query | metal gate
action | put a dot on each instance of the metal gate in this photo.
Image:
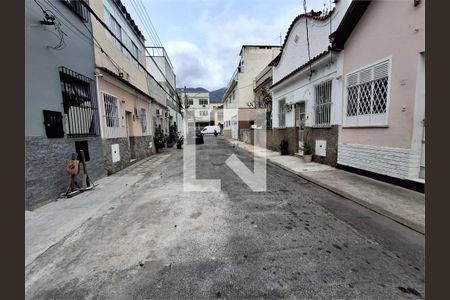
(300, 123)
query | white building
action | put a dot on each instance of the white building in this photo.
(196, 100)
(168, 113)
(239, 93)
(307, 88)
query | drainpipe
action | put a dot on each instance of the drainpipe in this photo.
(102, 130)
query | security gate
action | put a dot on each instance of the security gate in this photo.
(234, 128)
(300, 123)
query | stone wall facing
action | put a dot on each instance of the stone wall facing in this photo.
(45, 167)
(330, 134)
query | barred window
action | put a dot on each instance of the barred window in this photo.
(111, 110)
(203, 113)
(367, 95)
(322, 104)
(80, 105)
(78, 8)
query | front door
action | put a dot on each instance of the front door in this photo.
(300, 123)
(129, 127)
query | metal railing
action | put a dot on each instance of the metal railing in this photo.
(80, 105)
(322, 104)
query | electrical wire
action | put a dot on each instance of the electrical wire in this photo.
(151, 23)
(307, 38)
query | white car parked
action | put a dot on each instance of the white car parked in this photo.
(210, 129)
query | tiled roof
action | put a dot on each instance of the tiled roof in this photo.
(302, 67)
(127, 16)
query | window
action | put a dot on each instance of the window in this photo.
(189, 102)
(82, 145)
(322, 103)
(53, 123)
(114, 26)
(367, 95)
(126, 40)
(143, 115)
(282, 113)
(111, 111)
(203, 113)
(203, 101)
(80, 105)
(79, 9)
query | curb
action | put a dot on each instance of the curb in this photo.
(396, 218)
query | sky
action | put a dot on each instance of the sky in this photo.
(203, 37)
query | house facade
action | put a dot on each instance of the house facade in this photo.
(306, 90)
(239, 94)
(167, 101)
(383, 126)
(196, 103)
(122, 82)
(61, 110)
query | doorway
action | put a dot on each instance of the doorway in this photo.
(300, 123)
(130, 134)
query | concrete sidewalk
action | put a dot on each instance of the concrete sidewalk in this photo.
(399, 204)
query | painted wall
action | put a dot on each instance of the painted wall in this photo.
(42, 81)
(394, 29)
(301, 88)
(128, 100)
(45, 159)
(295, 54)
(132, 72)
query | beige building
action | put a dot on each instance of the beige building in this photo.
(239, 94)
(196, 103)
(122, 83)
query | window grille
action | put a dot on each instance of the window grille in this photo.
(80, 105)
(78, 8)
(367, 94)
(112, 118)
(203, 113)
(322, 104)
(282, 113)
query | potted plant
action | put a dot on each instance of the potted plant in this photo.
(284, 147)
(180, 141)
(307, 154)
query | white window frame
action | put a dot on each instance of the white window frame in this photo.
(368, 120)
(111, 131)
(327, 106)
(201, 100)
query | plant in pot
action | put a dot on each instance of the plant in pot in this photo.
(284, 147)
(180, 141)
(307, 152)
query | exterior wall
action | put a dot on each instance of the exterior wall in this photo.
(300, 88)
(45, 159)
(389, 161)
(374, 39)
(128, 100)
(45, 167)
(273, 138)
(330, 135)
(295, 54)
(128, 66)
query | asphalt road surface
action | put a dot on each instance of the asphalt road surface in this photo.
(294, 241)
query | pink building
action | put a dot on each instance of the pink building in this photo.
(383, 111)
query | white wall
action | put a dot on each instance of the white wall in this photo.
(301, 88)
